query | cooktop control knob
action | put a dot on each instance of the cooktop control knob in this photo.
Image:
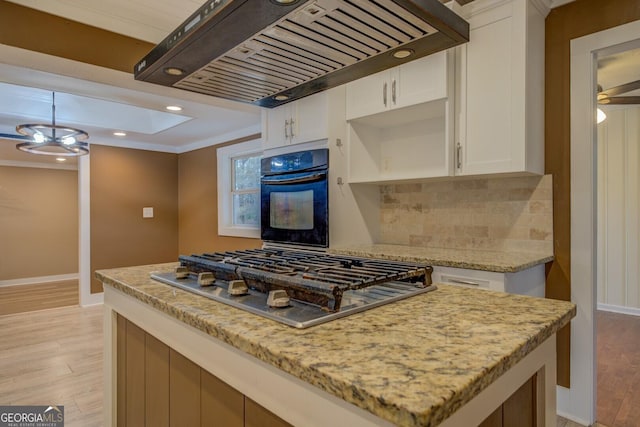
(237, 287)
(182, 272)
(278, 299)
(206, 278)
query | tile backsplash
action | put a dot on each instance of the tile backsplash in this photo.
(507, 214)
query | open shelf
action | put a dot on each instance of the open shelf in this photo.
(405, 144)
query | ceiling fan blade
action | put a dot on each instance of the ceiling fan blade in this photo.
(617, 90)
(620, 100)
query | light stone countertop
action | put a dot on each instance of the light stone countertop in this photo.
(413, 362)
(498, 261)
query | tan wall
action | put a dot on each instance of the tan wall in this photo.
(38, 222)
(573, 20)
(123, 181)
(198, 203)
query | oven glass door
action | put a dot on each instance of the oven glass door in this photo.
(295, 208)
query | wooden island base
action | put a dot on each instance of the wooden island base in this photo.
(161, 371)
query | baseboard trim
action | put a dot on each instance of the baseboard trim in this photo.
(574, 419)
(39, 280)
(619, 309)
(87, 300)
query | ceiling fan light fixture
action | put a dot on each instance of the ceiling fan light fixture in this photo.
(38, 137)
(600, 116)
(52, 139)
(68, 140)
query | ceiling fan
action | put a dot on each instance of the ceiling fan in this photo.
(609, 96)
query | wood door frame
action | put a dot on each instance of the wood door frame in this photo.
(579, 402)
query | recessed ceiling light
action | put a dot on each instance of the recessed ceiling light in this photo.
(120, 133)
(173, 108)
(402, 53)
(281, 97)
(61, 159)
(174, 71)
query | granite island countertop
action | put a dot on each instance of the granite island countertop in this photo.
(413, 362)
(498, 261)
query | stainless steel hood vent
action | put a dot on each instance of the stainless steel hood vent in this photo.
(269, 52)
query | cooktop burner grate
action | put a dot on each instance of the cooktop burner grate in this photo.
(309, 285)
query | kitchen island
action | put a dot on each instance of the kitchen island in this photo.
(450, 357)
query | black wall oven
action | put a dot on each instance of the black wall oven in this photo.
(295, 198)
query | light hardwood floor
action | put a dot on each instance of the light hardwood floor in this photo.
(22, 298)
(54, 357)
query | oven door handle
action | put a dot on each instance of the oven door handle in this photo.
(306, 178)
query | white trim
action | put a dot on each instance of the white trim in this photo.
(558, 3)
(572, 418)
(21, 164)
(134, 145)
(224, 155)
(84, 235)
(579, 402)
(39, 280)
(633, 311)
(221, 139)
(110, 367)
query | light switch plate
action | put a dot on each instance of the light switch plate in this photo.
(147, 212)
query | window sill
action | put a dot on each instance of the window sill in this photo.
(231, 231)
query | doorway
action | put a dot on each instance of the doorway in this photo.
(581, 399)
(618, 201)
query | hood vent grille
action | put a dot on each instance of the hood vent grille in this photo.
(313, 47)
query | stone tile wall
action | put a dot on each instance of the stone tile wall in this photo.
(508, 214)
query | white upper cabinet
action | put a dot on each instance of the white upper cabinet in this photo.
(500, 89)
(415, 82)
(400, 122)
(299, 121)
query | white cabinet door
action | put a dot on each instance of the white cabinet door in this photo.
(501, 91)
(368, 95)
(275, 126)
(299, 121)
(310, 119)
(422, 80)
(411, 83)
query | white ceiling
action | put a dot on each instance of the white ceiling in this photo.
(101, 101)
(618, 69)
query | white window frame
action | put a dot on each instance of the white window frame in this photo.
(225, 155)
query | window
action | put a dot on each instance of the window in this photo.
(239, 189)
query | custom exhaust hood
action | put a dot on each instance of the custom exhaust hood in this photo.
(270, 52)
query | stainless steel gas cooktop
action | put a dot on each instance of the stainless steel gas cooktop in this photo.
(298, 288)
